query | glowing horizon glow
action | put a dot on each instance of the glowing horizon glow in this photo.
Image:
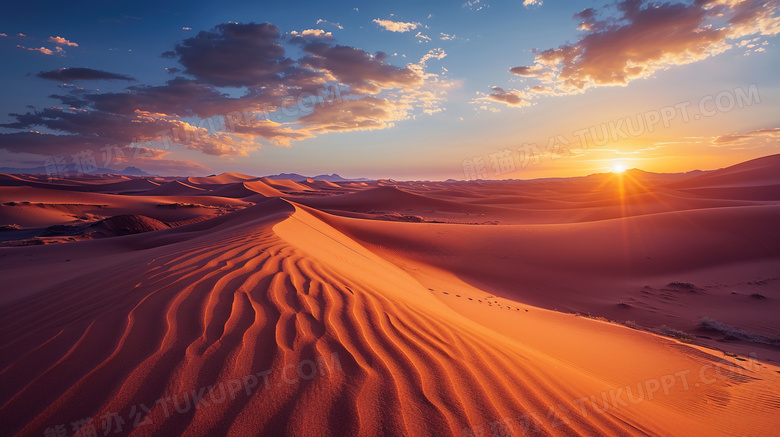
(618, 167)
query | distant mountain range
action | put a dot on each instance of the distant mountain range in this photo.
(323, 177)
(72, 171)
(135, 171)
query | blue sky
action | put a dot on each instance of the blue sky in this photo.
(396, 116)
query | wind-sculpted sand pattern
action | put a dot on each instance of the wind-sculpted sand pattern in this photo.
(188, 335)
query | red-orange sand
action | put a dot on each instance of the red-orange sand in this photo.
(234, 305)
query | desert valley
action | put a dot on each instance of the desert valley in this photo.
(628, 303)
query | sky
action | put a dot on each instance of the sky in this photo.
(485, 89)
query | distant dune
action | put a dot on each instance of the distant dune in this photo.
(174, 188)
(616, 304)
(246, 189)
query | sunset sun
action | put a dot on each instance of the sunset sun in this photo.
(618, 167)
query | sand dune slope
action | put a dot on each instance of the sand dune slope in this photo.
(285, 184)
(224, 178)
(268, 321)
(756, 172)
(240, 190)
(391, 198)
(174, 188)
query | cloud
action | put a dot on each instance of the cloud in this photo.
(169, 167)
(106, 153)
(499, 96)
(327, 87)
(128, 129)
(83, 122)
(438, 54)
(61, 41)
(178, 97)
(43, 50)
(278, 133)
(251, 55)
(396, 26)
(330, 23)
(310, 35)
(363, 72)
(422, 37)
(587, 18)
(540, 89)
(644, 38)
(234, 55)
(530, 3)
(447, 37)
(48, 144)
(508, 97)
(770, 134)
(80, 73)
(475, 5)
(69, 100)
(367, 113)
(526, 70)
(3, 35)
(58, 40)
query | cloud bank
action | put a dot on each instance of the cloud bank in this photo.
(635, 39)
(276, 98)
(79, 73)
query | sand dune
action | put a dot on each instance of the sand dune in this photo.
(322, 185)
(174, 188)
(245, 189)
(387, 198)
(606, 262)
(322, 315)
(9, 180)
(126, 225)
(224, 178)
(131, 185)
(285, 184)
(757, 172)
(38, 208)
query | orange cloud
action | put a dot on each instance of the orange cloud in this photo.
(396, 26)
(43, 50)
(367, 113)
(278, 133)
(61, 41)
(509, 97)
(310, 35)
(647, 37)
(771, 135)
